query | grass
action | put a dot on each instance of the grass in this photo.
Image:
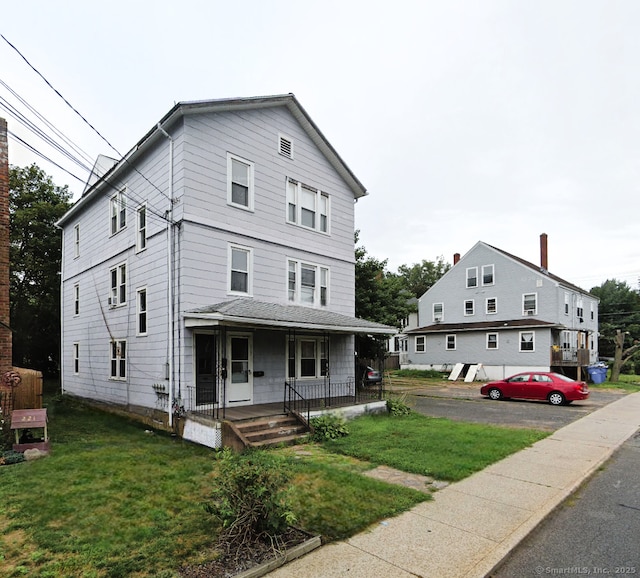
(436, 447)
(112, 500)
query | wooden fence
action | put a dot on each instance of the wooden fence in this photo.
(28, 395)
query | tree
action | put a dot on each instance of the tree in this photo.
(420, 277)
(618, 320)
(35, 204)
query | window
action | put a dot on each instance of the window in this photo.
(566, 303)
(76, 358)
(118, 294)
(438, 312)
(469, 307)
(492, 341)
(472, 277)
(141, 242)
(118, 360)
(285, 146)
(307, 206)
(76, 241)
(580, 308)
(307, 283)
(421, 343)
(239, 270)
(239, 182)
(491, 305)
(118, 211)
(76, 299)
(141, 314)
(451, 342)
(527, 341)
(529, 303)
(307, 357)
(487, 275)
(592, 312)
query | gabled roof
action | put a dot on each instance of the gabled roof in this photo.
(224, 105)
(260, 313)
(484, 326)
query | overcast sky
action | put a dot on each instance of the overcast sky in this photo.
(466, 121)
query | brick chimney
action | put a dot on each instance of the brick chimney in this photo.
(456, 258)
(5, 332)
(544, 262)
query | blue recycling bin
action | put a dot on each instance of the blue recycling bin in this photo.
(597, 373)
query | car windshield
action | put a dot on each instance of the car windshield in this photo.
(562, 377)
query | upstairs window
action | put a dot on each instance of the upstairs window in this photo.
(307, 207)
(491, 305)
(592, 312)
(239, 269)
(580, 308)
(240, 186)
(76, 241)
(566, 303)
(118, 295)
(76, 299)
(529, 303)
(487, 275)
(118, 211)
(469, 307)
(472, 277)
(438, 312)
(307, 283)
(141, 242)
(142, 312)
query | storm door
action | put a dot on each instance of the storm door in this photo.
(240, 377)
(206, 369)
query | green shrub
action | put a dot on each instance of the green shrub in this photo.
(328, 427)
(398, 405)
(11, 457)
(250, 498)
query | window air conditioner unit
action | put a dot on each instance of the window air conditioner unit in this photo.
(110, 301)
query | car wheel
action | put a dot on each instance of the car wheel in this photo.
(556, 398)
(495, 393)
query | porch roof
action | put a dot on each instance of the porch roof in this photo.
(484, 326)
(249, 312)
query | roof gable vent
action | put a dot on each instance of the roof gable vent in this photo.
(285, 147)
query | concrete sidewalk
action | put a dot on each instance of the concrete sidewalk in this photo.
(471, 525)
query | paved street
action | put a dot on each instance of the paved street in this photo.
(595, 532)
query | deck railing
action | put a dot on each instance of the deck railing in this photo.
(569, 356)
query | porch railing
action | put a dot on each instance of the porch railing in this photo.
(306, 396)
(569, 356)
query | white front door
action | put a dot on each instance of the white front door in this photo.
(240, 376)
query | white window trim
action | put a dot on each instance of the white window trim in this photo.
(497, 341)
(486, 305)
(118, 359)
(114, 292)
(283, 137)
(120, 199)
(139, 311)
(76, 300)
(249, 251)
(76, 241)
(473, 307)
(455, 342)
(493, 275)
(567, 303)
(298, 207)
(298, 357)
(423, 340)
(468, 278)
(250, 177)
(317, 294)
(141, 232)
(533, 340)
(76, 358)
(433, 312)
(535, 309)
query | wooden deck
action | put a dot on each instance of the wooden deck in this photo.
(243, 412)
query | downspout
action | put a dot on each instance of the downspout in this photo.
(62, 336)
(170, 315)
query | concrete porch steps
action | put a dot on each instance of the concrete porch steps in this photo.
(265, 431)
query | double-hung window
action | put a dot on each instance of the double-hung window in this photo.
(141, 313)
(240, 179)
(76, 358)
(451, 342)
(240, 264)
(119, 359)
(567, 300)
(492, 341)
(308, 357)
(580, 308)
(529, 303)
(421, 343)
(472, 277)
(487, 274)
(438, 312)
(307, 283)
(469, 307)
(118, 211)
(76, 299)
(76, 241)
(118, 295)
(141, 241)
(307, 206)
(527, 341)
(491, 305)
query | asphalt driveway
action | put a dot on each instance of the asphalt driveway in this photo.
(463, 402)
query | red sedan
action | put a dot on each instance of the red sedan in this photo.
(552, 387)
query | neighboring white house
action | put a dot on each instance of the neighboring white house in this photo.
(213, 264)
(507, 314)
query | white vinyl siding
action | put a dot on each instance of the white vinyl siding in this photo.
(240, 179)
